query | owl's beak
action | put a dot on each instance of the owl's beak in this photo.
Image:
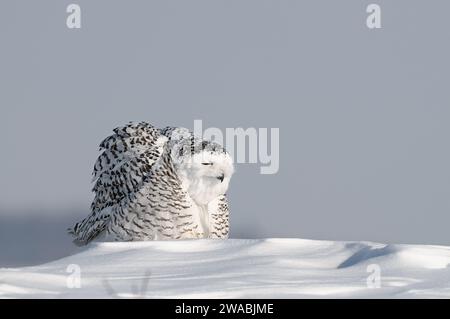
(221, 177)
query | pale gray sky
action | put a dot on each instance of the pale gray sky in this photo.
(363, 114)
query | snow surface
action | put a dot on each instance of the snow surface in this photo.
(237, 268)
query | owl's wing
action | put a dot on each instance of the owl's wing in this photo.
(127, 158)
(220, 217)
(159, 210)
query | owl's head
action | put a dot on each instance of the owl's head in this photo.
(204, 168)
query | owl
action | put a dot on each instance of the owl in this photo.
(157, 184)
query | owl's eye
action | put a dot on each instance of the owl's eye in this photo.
(207, 163)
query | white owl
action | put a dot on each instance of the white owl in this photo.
(156, 184)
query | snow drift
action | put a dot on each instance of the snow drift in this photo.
(237, 268)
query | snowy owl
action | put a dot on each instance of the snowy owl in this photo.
(157, 184)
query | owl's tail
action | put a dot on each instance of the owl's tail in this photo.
(87, 229)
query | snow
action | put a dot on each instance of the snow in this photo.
(237, 268)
